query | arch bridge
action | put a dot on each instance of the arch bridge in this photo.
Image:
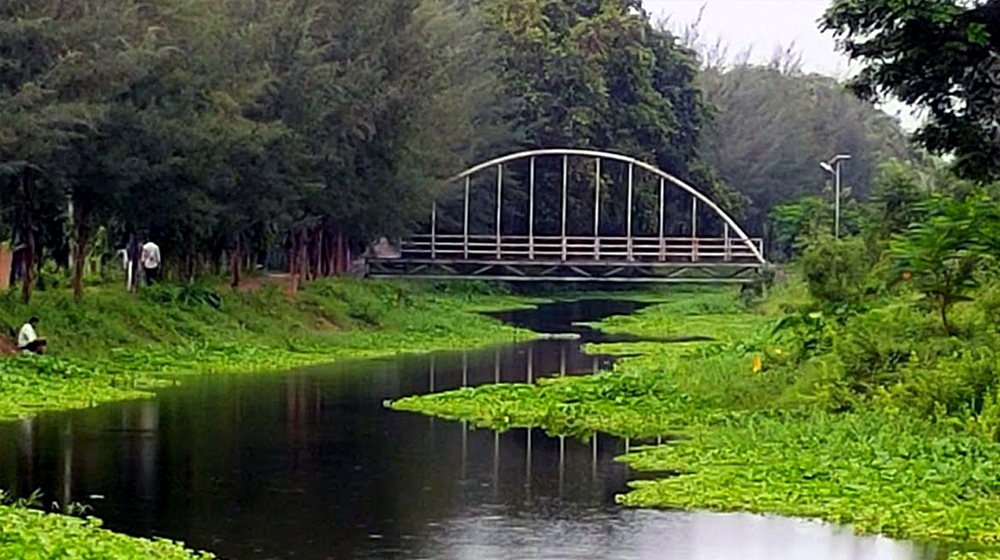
(626, 221)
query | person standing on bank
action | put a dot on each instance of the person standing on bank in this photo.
(151, 262)
(27, 339)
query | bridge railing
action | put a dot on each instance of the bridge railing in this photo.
(490, 248)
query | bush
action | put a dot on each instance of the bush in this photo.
(872, 347)
(954, 385)
(836, 270)
(187, 295)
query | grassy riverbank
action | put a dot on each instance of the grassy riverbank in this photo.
(877, 419)
(110, 346)
(105, 347)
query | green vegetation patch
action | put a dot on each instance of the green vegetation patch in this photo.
(882, 473)
(707, 317)
(878, 420)
(30, 384)
(111, 345)
(27, 534)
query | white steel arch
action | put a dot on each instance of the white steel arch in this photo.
(599, 155)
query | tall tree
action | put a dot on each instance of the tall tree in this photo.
(940, 55)
(597, 74)
(376, 91)
(773, 124)
(58, 62)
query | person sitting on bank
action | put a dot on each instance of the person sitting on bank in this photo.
(27, 339)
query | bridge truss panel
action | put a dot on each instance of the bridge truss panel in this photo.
(563, 271)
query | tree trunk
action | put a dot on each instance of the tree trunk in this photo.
(328, 253)
(309, 252)
(321, 268)
(189, 265)
(293, 252)
(28, 261)
(80, 253)
(134, 252)
(302, 258)
(28, 223)
(338, 255)
(334, 256)
(343, 252)
(235, 262)
(316, 253)
(217, 259)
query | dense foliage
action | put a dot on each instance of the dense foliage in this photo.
(284, 132)
(228, 127)
(940, 55)
(593, 74)
(772, 126)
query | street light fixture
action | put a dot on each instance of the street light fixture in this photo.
(833, 167)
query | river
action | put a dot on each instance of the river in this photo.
(308, 464)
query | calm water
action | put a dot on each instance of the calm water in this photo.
(309, 464)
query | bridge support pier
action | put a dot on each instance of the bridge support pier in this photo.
(628, 213)
(465, 220)
(499, 206)
(565, 193)
(597, 210)
(531, 214)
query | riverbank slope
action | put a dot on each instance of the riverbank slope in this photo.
(107, 346)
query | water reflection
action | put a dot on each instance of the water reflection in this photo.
(513, 364)
(650, 535)
(309, 464)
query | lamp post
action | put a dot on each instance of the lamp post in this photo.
(833, 167)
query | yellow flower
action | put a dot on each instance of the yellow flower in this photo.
(758, 364)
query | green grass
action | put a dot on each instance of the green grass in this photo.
(106, 347)
(32, 384)
(879, 429)
(343, 316)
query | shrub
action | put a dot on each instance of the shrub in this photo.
(953, 385)
(836, 270)
(942, 253)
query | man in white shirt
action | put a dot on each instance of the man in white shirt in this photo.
(150, 260)
(27, 339)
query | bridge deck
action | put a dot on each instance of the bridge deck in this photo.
(572, 259)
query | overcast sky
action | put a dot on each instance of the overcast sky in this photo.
(765, 26)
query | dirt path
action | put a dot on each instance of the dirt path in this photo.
(248, 284)
(7, 346)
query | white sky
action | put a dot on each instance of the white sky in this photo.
(765, 26)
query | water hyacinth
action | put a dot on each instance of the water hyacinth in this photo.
(896, 442)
